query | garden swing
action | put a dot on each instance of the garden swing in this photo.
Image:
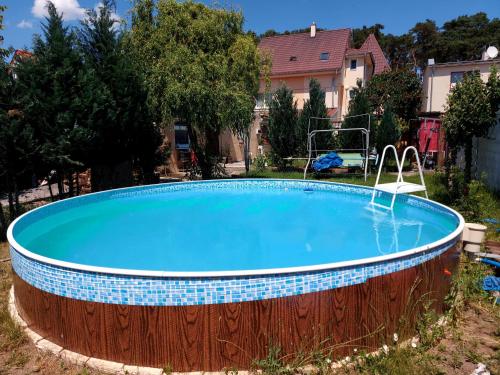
(352, 157)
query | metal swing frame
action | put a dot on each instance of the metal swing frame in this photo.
(364, 132)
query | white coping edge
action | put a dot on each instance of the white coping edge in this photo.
(144, 273)
(111, 367)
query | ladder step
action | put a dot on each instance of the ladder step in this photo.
(400, 187)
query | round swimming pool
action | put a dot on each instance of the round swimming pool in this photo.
(214, 261)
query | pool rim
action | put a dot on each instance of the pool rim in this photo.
(255, 272)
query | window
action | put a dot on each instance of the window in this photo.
(354, 63)
(181, 137)
(293, 58)
(456, 77)
(324, 56)
(352, 93)
(263, 100)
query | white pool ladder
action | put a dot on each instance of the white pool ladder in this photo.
(400, 186)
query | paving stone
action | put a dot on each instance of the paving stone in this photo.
(72, 357)
(48, 346)
(105, 366)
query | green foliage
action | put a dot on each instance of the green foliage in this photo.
(459, 39)
(388, 131)
(119, 129)
(273, 363)
(49, 90)
(282, 128)
(401, 89)
(493, 87)
(200, 67)
(260, 162)
(359, 105)
(468, 114)
(314, 107)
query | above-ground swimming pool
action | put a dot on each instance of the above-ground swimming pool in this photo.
(205, 275)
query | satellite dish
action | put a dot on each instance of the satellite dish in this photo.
(492, 52)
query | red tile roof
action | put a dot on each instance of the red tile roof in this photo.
(307, 51)
(20, 54)
(371, 45)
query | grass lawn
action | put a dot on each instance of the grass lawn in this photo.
(472, 335)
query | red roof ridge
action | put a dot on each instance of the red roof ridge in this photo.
(304, 32)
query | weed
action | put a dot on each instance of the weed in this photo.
(273, 364)
(167, 369)
(17, 359)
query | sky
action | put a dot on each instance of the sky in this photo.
(23, 17)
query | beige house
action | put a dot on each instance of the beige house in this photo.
(438, 81)
(327, 56)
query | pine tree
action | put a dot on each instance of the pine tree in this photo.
(282, 128)
(358, 106)
(388, 132)
(118, 119)
(314, 107)
(49, 85)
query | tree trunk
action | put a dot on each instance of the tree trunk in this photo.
(468, 160)
(60, 184)
(71, 186)
(77, 183)
(50, 188)
(105, 177)
(3, 224)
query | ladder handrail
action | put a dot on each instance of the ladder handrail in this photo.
(381, 163)
(400, 175)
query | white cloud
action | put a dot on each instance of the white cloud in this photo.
(115, 17)
(70, 9)
(25, 24)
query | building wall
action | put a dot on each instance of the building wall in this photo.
(437, 83)
(486, 157)
(363, 70)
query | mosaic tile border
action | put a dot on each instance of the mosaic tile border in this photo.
(170, 291)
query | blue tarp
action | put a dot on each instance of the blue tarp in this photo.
(491, 283)
(330, 160)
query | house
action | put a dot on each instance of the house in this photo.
(438, 81)
(327, 56)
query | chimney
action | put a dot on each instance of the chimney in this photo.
(313, 30)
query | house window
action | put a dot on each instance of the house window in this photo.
(324, 56)
(352, 93)
(263, 100)
(181, 137)
(354, 63)
(293, 58)
(456, 77)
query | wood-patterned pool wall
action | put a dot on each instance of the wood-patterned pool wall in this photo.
(232, 335)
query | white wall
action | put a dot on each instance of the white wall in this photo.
(486, 157)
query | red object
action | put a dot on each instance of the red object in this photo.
(194, 159)
(429, 129)
(299, 53)
(446, 272)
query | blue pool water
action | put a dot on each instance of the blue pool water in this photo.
(229, 228)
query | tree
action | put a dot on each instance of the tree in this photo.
(425, 36)
(358, 106)
(190, 55)
(117, 116)
(468, 114)
(388, 132)
(17, 145)
(314, 107)
(401, 89)
(493, 87)
(359, 35)
(50, 88)
(282, 128)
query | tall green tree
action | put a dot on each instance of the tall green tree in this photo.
(402, 89)
(314, 107)
(190, 54)
(17, 145)
(388, 132)
(50, 87)
(359, 106)
(493, 87)
(121, 131)
(283, 125)
(468, 114)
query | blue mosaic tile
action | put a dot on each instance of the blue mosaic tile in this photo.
(169, 291)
